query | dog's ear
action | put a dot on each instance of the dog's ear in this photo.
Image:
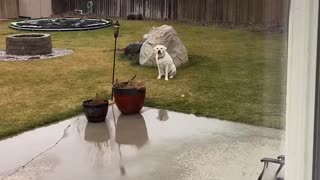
(165, 48)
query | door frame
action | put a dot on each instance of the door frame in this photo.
(316, 150)
(301, 85)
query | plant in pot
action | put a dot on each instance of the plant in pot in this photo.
(129, 96)
(96, 109)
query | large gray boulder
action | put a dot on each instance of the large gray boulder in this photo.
(167, 36)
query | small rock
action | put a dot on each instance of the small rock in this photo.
(135, 16)
(133, 49)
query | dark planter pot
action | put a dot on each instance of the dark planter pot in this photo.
(95, 113)
(129, 101)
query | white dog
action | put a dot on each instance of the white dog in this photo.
(165, 63)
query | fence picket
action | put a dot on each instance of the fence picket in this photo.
(265, 13)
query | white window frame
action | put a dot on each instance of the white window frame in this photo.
(301, 84)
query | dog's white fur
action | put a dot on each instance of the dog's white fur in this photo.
(165, 63)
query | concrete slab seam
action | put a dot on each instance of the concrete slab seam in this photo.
(41, 153)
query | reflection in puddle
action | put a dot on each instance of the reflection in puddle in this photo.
(143, 147)
(130, 130)
(97, 135)
(163, 115)
(103, 138)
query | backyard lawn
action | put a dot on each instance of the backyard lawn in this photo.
(233, 75)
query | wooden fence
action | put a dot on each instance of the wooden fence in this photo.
(264, 13)
(9, 9)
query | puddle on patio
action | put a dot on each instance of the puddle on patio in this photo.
(154, 145)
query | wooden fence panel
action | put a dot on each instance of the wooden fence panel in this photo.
(9, 9)
(264, 13)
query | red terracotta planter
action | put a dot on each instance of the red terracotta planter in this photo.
(129, 101)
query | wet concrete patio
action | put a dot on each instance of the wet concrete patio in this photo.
(156, 144)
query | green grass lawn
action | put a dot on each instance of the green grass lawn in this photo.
(233, 75)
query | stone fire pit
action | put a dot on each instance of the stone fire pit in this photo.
(28, 44)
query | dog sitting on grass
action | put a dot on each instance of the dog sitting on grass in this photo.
(165, 63)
